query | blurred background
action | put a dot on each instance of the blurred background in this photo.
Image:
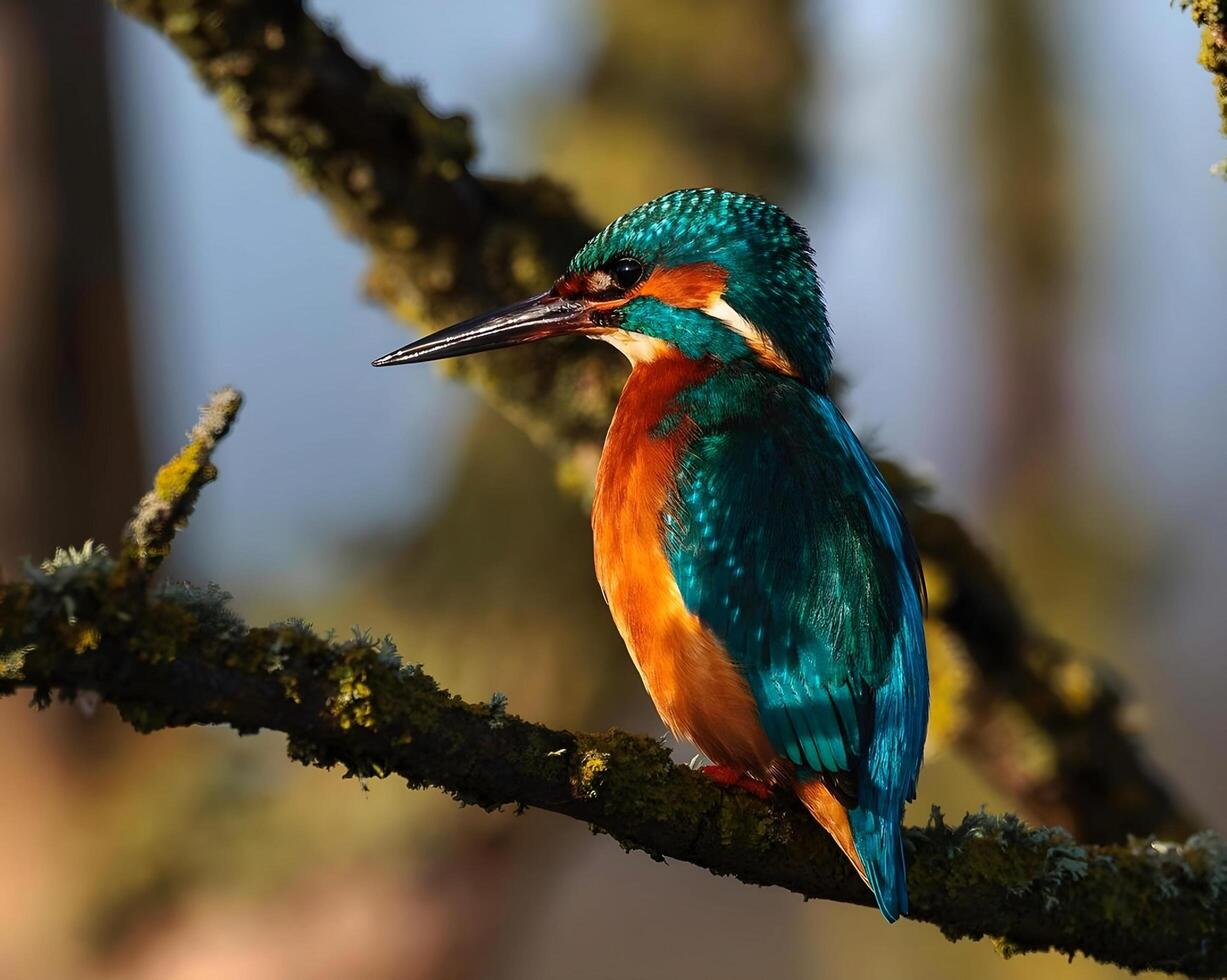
(1022, 247)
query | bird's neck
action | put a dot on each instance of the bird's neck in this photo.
(649, 401)
(636, 477)
(644, 439)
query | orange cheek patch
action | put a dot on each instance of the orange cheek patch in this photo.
(690, 287)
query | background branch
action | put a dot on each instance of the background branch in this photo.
(446, 243)
(1211, 16)
(179, 656)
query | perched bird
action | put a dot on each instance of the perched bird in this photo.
(756, 564)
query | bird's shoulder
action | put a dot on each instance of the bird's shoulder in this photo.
(783, 535)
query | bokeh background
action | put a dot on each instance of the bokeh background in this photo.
(1023, 251)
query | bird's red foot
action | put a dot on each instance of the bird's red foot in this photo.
(728, 776)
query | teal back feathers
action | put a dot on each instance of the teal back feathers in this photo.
(785, 541)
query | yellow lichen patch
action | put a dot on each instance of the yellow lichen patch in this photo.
(351, 706)
(949, 678)
(87, 639)
(12, 662)
(592, 769)
(166, 507)
(175, 477)
(356, 716)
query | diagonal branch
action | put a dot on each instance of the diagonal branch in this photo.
(446, 243)
(180, 657)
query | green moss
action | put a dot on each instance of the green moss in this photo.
(591, 772)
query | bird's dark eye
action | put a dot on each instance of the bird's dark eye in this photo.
(626, 272)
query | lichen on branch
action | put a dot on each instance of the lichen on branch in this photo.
(179, 656)
(177, 485)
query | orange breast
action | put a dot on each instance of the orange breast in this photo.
(692, 681)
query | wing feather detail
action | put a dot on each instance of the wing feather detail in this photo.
(787, 545)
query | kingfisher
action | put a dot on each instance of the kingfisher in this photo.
(760, 572)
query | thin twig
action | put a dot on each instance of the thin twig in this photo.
(165, 509)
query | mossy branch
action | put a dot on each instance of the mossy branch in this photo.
(1211, 16)
(179, 656)
(446, 243)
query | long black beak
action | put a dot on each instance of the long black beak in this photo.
(531, 319)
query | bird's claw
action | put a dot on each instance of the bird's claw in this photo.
(728, 776)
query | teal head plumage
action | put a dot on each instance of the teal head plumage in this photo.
(771, 280)
(754, 560)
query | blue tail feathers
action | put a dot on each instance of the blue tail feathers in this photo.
(880, 846)
(889, 770)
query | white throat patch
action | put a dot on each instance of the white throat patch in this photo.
(758, 341)
(639, 348)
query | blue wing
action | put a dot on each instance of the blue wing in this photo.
(787, 544)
